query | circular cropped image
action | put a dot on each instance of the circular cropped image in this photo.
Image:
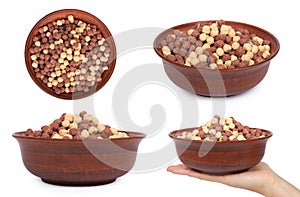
(70, 54)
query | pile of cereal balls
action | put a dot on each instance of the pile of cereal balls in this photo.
(223, 129)
(215, 45)
(69, 55)
(76, 126)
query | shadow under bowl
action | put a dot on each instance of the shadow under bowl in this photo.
(217, 83)
(79, 162)
(219, 157)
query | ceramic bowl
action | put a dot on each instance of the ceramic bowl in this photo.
(79, 162)
(217, 83)
(88, 18)
(220, 157)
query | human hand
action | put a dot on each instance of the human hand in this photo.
(261, 179)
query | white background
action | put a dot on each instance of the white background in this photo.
(273, 104)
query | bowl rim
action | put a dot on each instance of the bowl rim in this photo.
(172, 135)
(132, 135)
(81, 94)
(158, 37)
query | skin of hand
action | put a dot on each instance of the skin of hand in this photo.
(261, 179)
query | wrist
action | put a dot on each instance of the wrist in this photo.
(272, 187)
(280, 187)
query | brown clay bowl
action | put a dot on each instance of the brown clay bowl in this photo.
(76, 162)
(220, 157)
(86, 17)
(217, 83)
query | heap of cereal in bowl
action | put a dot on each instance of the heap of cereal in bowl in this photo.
(216, 58)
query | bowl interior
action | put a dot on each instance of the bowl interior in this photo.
(173, 135)
(86, 17)
(131, 134)
(251, 28)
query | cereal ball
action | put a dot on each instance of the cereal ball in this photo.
(85, 134)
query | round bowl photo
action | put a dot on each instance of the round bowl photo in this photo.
(216, 58)
(219, 157)
(70, 54)
(79, 162)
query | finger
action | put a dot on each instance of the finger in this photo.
(182, 169)
(179, 169)
(208, 177)
(177, 166)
